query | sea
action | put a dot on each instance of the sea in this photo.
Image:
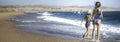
(67, 24)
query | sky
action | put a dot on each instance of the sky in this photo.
(107, 3)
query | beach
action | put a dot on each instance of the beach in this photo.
(59, 21)
(8, 32)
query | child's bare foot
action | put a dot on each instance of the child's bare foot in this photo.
(93, 39)
(83, 36)
(97, 40)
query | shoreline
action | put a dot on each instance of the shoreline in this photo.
(9, 33)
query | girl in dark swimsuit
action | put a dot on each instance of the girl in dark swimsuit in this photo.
(97, 17)
(88, 19)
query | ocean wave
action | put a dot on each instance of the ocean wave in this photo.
(109, 31)
(47, 17)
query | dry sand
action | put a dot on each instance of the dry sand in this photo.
(8, 32)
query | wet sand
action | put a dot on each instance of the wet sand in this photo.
(8, 32)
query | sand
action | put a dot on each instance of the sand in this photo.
(8, 32)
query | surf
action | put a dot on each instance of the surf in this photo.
(106, 30)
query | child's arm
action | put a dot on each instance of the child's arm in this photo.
(83, 20)
(101, 14)
(93, 14)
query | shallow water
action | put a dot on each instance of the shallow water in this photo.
(66, 24)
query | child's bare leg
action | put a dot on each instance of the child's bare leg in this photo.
(88, 31)
(85, 32)
(83, 35)
(98, 30)
(93, 32)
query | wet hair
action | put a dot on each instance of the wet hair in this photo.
(97, 4)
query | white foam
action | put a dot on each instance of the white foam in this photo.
(46, 14)
(109, 28)
(51, 18)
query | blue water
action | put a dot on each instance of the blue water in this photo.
(66, 24)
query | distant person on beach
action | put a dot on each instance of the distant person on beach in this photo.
(88, 19)
(97, 17)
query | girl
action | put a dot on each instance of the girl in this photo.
(97, 17)
(88, 19)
